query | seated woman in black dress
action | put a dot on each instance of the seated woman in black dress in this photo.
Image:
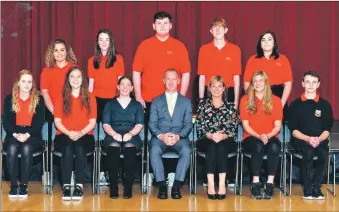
(75, 118)
(217, 122)
(123, 119)
(24, 115)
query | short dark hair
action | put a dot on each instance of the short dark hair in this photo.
(260, 51)
(162, 15)
(172, 70)
(313, 74)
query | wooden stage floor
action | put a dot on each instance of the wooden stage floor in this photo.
(37, 201)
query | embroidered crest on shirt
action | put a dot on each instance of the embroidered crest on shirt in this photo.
(228, 58)
(317, 113)
(278, 64)
(169, 52)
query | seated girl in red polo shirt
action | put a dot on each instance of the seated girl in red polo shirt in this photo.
(24, 115)
(261, 115)
(75, 118)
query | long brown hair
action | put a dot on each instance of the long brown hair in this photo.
(34, 95)
(67, 92)
(49, 58)
(251, 105)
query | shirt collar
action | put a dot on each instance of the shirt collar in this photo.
(303, 97)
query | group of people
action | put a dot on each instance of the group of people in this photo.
(160, 79)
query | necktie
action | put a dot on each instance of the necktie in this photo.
(171, 104)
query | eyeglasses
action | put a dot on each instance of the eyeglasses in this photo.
(215, 27)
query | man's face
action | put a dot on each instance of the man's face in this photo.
(218, 31)
(310, 83)
(171, 81)
(162, 26)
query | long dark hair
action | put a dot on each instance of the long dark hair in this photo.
(67, 92)
(217, 78)
(111, 52)
(260, 51)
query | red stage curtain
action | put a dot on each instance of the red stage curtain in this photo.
(305, 32)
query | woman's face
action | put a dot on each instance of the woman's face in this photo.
(267, 42)
(103, 41)
(75, 79)
(25, 83)
(259, 83)
(216, 89)
(125, 87)
(59, 52)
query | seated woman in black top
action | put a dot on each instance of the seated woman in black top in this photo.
(310, 121)
(217, 122)
(24, 115)
(123, 119)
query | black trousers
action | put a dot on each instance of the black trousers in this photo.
(308, 152)
(13, 148)
(101, 102)
(216, 160)
(70, 148)
(258, 149)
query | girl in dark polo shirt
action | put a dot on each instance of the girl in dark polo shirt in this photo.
(24, 114)
(123, 119)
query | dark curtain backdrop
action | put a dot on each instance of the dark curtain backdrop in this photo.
(306, 33)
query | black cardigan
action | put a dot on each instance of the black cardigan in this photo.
(9, 119)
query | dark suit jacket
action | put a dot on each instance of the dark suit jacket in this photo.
(9, 119)
(161, 121)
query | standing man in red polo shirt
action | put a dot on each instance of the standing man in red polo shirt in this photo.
(220, 57)
(153, 57)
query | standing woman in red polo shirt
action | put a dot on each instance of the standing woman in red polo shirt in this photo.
(75, 119)
(276, 66)
(24, 114)
(104, 70)
(261, 115)
(59, 57)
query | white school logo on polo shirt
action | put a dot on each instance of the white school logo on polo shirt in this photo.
(169, 52)
(317, 113)
(278, 64)
(228, 58)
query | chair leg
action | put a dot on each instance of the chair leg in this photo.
(334, 183)
(1, 167)
(290, 191)
(195, 172)
(44, 172)
(236, 186)
(51, 174)
(142, 172)
(147, 173)
(191, 173)
(285, 174)
(94, 173)
(98, 171)
(328, 173)
(241, 171)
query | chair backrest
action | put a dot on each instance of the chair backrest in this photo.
(53, 131)
(44, 131)
(3, 132)
(287, 134)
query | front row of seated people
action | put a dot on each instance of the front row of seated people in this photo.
(310, 120)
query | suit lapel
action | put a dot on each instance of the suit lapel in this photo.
(177, 104)
(165, 105)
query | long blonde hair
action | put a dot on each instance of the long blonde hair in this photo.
(251, 105)
(34, 95)
(49, 57)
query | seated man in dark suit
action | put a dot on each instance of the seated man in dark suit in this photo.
(170, 124)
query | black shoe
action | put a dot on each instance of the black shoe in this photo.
(256, 191)
(67, 193)
(162, 193)
(268, 192)
(23, 191)
(317, 194)
(114, 191)
(221, 196)
(78, 193)
(13, 192)
(128, 191)
(175, 193)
